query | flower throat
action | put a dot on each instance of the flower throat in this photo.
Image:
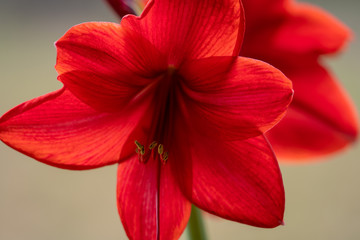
(161, 127)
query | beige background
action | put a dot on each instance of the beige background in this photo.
(42, 202)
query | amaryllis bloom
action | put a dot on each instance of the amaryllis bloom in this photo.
(294, 37)
(166, 97)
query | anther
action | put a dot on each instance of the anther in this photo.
(160, 149)
(140, 148)
(138, 144)
(144, 156)
(164, 157)
(153, 145)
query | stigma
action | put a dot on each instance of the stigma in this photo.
(154, 150)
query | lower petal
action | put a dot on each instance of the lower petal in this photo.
(239, 181)
(60, 130)
(301, 137)
(147, 207)
(321, 119)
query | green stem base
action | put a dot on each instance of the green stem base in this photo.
(195, 227)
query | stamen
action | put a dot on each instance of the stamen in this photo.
(138, 144)
(144, 156)
(160, 149)
(140, 147)
(164, 157)
(153, 145)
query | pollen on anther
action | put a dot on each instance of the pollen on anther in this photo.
(164, 157)
(144, 156)
(160, 149)
(153, 145)
(140, 148)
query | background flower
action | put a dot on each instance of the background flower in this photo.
(34, 200)
(295, 38)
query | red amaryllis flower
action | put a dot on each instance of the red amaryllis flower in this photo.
(166, 96)
(293, 37)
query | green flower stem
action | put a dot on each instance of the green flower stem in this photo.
(195, 227)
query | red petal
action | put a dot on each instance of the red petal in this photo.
(59, 130)
(291, 29)
(191, 29)
(105, 94)
(138, 201)
(106, 48)
(312, 30)
(262, 13)
(321, 118)
(239, 102)
(103, 64)
(300, 137)
(240, 181)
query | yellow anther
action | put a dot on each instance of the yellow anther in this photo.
(160, 149)
(153, 145)
(164, 157)
(138, 144)
(139, 147)
(145, 156)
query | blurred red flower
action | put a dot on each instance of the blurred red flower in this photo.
(166, 96)
(123, 7)
(293, 37)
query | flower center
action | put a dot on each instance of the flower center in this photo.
(161, 119)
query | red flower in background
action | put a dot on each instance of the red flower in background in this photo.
(166, 96)
(123, 7)
(293, 37)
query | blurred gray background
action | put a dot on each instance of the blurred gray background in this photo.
(41, 202)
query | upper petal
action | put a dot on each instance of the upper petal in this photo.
(297, 29)
(309, 29)
(322, 118)
(236, 180)
(263, 13)
(107, 48)
(316, 30)
(186, 29)
(151, 205)
(60, 130)
(236, 100)
(105, 65)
